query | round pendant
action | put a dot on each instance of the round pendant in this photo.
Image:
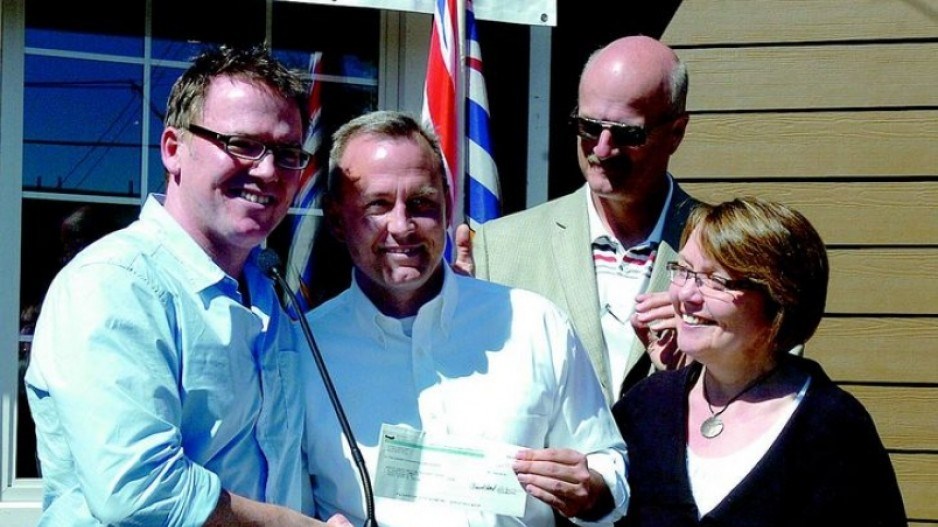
(711, 427)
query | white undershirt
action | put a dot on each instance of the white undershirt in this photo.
(713, 478)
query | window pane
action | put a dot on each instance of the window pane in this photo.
(96, 27)
(81, 126)
(180, 31)
(161, 82)
(53, 232)
(348, 37)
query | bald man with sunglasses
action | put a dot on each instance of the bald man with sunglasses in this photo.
(600, 252)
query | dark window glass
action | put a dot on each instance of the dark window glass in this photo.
(180, 31)
(348, 37)
(81, 126)
(53, 232)
(161, 82)
(115, 28)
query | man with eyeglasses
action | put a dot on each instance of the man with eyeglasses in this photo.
(162, 379)
(593, 252)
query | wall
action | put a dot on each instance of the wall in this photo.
(832, 107)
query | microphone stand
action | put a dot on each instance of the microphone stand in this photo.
(269, 262)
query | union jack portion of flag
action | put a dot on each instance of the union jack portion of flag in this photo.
(299, 269)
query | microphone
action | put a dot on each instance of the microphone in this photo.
(269, 263)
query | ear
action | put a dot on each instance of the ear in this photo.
(678, 129)
(170, 145)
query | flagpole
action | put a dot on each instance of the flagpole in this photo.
(462, 146)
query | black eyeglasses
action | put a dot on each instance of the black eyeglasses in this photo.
(707, 283)
(622, 134)
(289, 157)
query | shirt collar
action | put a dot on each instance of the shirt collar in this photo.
(195, 265)
(438, 313)
(598, 230)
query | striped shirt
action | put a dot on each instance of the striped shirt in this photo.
(621, 274)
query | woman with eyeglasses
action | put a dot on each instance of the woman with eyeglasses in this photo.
(749, 434)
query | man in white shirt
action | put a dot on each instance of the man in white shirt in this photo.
(411, 343)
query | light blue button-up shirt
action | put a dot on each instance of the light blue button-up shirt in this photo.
(153, 386)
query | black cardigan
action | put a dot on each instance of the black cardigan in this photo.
(827, 467)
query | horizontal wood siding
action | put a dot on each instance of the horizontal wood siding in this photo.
(750, 146)
(722, 22)
(832, 107)
(918, 479)
(874, 349)
(898, 411)
(847, 213)
(837, 76)
(885, 281)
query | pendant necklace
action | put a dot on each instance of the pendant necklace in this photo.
(713, 425)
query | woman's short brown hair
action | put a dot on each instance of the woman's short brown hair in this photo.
(775, 247)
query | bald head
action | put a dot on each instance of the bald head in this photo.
(639, 71)
(633, 82)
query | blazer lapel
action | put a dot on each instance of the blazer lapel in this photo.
(572, 254)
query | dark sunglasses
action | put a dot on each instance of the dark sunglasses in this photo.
(622, 134)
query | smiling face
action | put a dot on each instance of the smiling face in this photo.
(629, 82)
(725, 327)
(227, 204)
(391, 213)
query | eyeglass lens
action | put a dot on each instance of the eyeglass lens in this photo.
(291, 158)
(679, 275)
(286, 157)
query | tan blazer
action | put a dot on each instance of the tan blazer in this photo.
(547, 249)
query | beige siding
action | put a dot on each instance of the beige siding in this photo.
(872, 349)
(850, 213)
(880, 143)
(837, 76)
(713, 22)
(831, 107)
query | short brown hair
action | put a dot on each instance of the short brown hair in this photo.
(254, 64)
(776, 248)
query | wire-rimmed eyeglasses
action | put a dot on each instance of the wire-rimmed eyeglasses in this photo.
(706, 282)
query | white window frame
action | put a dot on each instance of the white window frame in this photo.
(19, 498)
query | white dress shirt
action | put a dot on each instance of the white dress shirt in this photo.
(483, 361)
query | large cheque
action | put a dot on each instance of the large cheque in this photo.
(446, 470)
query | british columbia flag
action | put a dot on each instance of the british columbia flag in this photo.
(474, 177)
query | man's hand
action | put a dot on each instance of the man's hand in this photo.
(337, 520)
(655, 323)
(464, 264)
(561, 478)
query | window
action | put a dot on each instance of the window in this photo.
(84, 146)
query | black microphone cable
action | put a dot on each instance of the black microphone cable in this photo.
(269, 263)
